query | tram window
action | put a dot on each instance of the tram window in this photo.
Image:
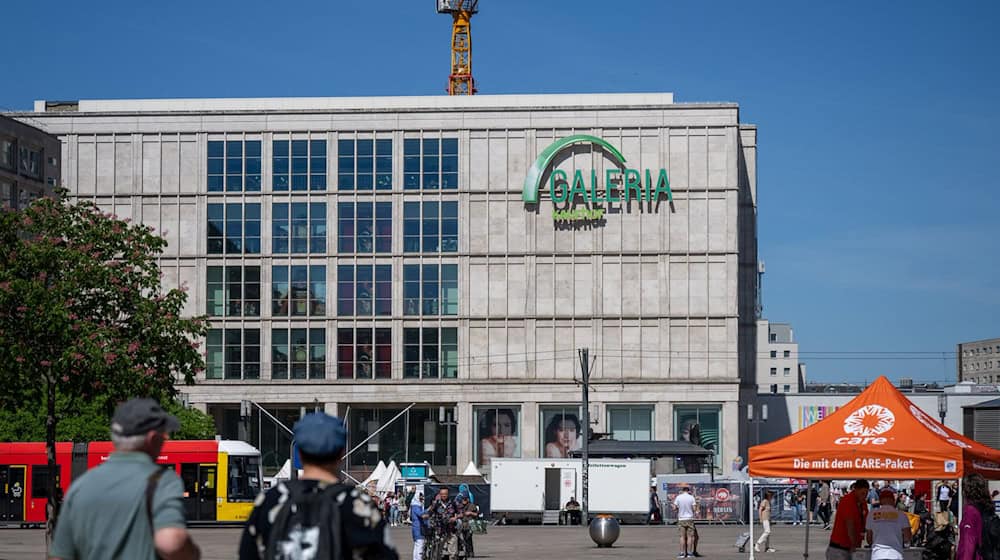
(40, 481)
(244, 479)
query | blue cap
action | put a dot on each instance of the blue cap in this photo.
(320, 434)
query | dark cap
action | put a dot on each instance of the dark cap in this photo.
(138, 416)
(320, 435)
(861, 483)
(887, 494)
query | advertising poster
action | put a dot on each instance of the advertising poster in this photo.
(497, 433)
(717, 501)
(810, 414)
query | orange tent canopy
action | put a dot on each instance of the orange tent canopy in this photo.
(878, 433)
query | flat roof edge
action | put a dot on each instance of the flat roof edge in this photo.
(402, 103)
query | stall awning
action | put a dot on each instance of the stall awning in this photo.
(610, 448)
(878, 433)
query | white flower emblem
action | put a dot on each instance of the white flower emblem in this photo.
(869, 420)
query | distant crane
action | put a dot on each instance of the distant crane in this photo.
(460, 80)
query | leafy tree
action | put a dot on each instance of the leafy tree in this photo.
(90, 421)
(83, 314)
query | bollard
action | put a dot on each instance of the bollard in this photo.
(604, 530)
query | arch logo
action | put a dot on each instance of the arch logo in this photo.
(866, 425)
(629, 183)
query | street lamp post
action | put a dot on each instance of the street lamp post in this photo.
(446, 417)
(942, 406)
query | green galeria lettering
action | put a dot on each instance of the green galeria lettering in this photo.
(578, 186)
(608, 182)
(558, 178)
(632, 181)
(662, 185)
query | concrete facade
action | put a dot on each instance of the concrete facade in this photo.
(29, 163)
(979, 361)
(778, 368)
(662, 294)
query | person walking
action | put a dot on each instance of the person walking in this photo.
(849, 523)
(128, 507)
(763, 544)
(418, 525)
(315, 515)
(976, 501)
(823, 503)
(686, 508)
(887, 528)
(944, 496)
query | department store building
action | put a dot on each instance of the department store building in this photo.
(362, 255)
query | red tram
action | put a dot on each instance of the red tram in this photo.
(221, 478)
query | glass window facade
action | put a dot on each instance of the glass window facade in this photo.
(430, 353)
(298, 227)
(364, 290)
(418, 436)
(700, 425)
(631, 423)
(31, 162)
(430, 227)
(364, 164)
(233, 165)
(233, 291)
(298, 165)
(233, 354)
(234, 228)
(364, 227)
(364, 353)
(430, 163)
(298, 353)
(497, 433)
(8, 149)
(298, 290)
(430, 289)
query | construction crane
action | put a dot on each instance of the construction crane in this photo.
(460, 81)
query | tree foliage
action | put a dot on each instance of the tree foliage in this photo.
(89, 421)
(82, 309)
(84, 319)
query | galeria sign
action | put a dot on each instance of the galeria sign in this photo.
(588, 186)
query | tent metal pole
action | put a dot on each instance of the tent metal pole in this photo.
(959, 525)
(809, 509)
(751, 543)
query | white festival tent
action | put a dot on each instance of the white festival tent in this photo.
(377, 474)
(387, 483)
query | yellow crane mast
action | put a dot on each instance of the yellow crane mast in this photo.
(460, 80)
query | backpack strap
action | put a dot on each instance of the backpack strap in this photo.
(151, 483)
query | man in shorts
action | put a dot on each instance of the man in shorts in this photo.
(686, 508)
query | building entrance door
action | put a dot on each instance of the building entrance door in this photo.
(553, 484)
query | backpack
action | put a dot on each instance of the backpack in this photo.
(989, 547)
(308, 525)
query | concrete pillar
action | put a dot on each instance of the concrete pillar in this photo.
(332, 408)
(663, 421)
(729, 423)
(465, 433)
(529, 430)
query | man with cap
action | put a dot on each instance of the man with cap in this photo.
(127, 507)
(887, 529)
(321, 440)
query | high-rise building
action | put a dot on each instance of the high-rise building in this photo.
(979, 361)
(778, 367)
(362, 255)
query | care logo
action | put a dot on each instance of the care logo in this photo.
(866, 424)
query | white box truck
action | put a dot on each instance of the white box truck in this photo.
(534, 490)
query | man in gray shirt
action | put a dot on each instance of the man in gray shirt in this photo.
(106, 515)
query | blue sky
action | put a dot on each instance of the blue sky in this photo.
(879, 125)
